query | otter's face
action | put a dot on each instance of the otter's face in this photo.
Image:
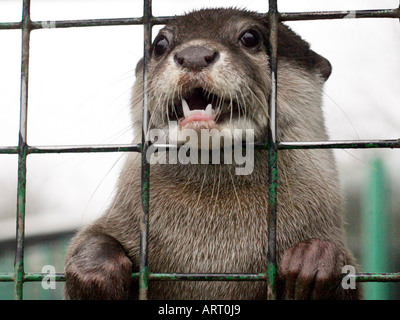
(210, 70)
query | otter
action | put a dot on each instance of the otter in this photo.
(209, 69)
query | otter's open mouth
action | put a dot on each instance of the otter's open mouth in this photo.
(199, 105)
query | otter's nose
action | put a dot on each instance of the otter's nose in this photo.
(195, 58)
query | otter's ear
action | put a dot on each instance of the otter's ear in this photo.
(293, 47)
(139, 68)
(322, 65)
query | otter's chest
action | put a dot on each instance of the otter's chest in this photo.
(208, 235)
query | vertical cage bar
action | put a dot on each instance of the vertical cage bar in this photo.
(22, 154)
(145, 176)
(272, 151)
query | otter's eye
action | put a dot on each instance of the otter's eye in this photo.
(161, 45)
(250, 38)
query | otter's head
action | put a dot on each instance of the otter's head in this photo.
(209, 69)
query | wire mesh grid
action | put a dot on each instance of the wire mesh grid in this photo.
(19, 276)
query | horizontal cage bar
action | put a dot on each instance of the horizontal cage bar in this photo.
(283, 16)
(60, 277)
(333, 144)
(341, 144)
(347, 14)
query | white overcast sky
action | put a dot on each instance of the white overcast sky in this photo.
(79, 89)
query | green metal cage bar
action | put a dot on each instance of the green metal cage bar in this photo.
(145, 183)
(19, 276)
(22, 155)
(283, 16)
(360, 277)
(338, 144)
(272, 147)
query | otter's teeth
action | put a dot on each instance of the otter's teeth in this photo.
(209, 109)
(185, 107)
(187, 112)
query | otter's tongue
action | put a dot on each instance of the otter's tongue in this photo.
(191, 114)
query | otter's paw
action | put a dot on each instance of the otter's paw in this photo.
(99, 277)
(312, 270)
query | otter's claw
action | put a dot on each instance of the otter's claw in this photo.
(312, 270)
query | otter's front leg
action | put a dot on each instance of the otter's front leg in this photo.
(97, 268)
(312, 270)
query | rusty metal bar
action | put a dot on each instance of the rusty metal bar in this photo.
(378, 277)
(359, 277)
(341, 144)
(273, 17)
(22, 154)
(283, 16)
(9, 150)
(7, 277)
(208, 277)
(282, 145)
(86, 149)
(60, 277)
(145, 176)
(86, 23)
(35, 277)
(348, 14)
(10, 25)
